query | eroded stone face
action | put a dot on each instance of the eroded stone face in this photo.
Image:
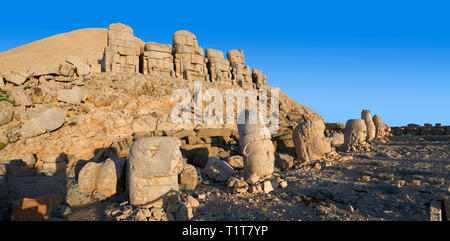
(256, 146)
(153, 168)
(355, 133)
(310, 141)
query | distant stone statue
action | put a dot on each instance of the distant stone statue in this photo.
(157, 60)
(188, 57)
(218, 67)
(256, 145)
(380, 127)
(153, 168)
(355, 134)
(365, 115)
(241, 72)
(310, 141)
(122, 50)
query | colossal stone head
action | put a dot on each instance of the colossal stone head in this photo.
(153, 168)
(236, 56)
(256, 144)
(355, 132)
(310, 141)
(183, 38)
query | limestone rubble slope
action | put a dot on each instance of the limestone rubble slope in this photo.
(113, 107)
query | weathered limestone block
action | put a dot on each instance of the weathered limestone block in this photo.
(66, 69)
(16, 77)
(153, 168)
(122, 50)
(188, 57)
(284, 161)
(365, 115)
(81, 68)
(21, 97)
(111, 176)
(380, 127)
(355, 133)
(241, 73)
(49, 120)
(259, 79)
(236, 162)
(218, 170)
(188, 176)
(157, 60)
(36, 72)
(87, 178)
(256, 145)
(309, 140)
(218, 67)
(74, 96)
(6, 113)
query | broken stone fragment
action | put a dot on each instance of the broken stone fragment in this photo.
(284, 161)
(21, 97)
(81, 68)
(237, 185)
(267, 186)
(49, 120)
(6, 113)
(237, 162)
(74, 96)
(188, 176)
(16, 77)
(218, 170)
(66, 69)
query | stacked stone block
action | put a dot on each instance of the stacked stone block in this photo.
(188, 57)
(157, 60)
(122, 50)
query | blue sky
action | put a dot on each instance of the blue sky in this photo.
(336, 57)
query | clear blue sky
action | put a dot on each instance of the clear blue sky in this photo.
(336, 57)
